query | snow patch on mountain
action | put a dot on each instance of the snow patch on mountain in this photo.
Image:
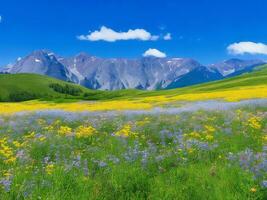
(227, 72)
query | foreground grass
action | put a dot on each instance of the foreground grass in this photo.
(199, 155)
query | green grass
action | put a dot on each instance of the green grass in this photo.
(156, 162)
(36, 87)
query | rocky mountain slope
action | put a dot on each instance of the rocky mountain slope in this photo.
(111, 74)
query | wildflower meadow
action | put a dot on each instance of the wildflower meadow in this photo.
(190, 154)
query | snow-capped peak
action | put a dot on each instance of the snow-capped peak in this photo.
(37, 60)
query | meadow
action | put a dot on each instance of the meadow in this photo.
(201, 154)
(207, 141)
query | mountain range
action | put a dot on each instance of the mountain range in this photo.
(146, 73)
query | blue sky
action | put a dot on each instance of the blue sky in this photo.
(199, 29)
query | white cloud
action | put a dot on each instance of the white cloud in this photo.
(167, 36)
(155, 53)
(247, 47)
(109, 35)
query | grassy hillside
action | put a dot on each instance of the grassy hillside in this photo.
(258, 77)
(19, 87)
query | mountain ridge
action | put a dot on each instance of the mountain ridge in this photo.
(148, 73)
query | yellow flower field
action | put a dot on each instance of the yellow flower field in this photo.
(143, 103)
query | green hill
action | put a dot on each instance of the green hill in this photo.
(20, 87)
(257, 77)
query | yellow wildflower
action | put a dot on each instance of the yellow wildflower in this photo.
(64, 130)
(48, 128)
(254, 122)
(194, 134)
(30, 136)
(10, 160)
(17, 144)
(57, 122)
(6, 152)
(49, 168)
(125, 131)
(190, 150)
(3, 140)
(209, 128)
(253, 189)
(42, 138)
(143, 137)
(209, 137)
(143, 122)
(85, 131)
(41, 122)
(7, 173)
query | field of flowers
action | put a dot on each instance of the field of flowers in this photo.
(146, 102)
(56, 154)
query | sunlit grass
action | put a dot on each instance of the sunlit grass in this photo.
(197, 155)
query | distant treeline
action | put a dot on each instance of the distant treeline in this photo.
(17, 96)
(66, 89)
(21, 96)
